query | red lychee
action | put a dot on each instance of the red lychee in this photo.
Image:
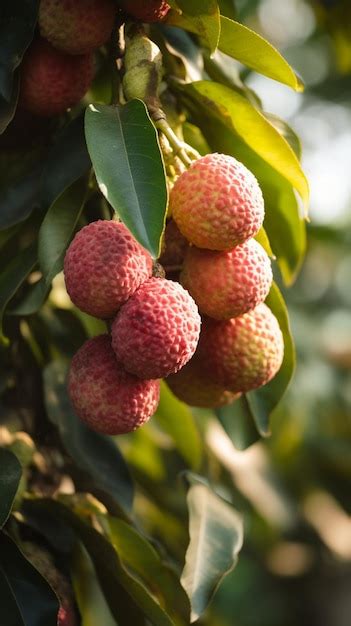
(52, 81)
(104, 266)
(104, 395)
(227, 284)
(76, 26)
(245, 352)
(217, 203)
(146, 10)
(157, 330)
(192, 386)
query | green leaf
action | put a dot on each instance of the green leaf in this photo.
(8, 108)
(201, 17)
(14, 275)
(18, 20)
(176, 419)
(263, 401)
(124, 149)
(10, 612)
(138, 555)
(287, 132)
(34, 602)
(92, 605)
(246, 46)
(227, 8)
(239, 115)
(238, 423)
(97, 455)
(20, 197)
(10, 476)
(58, 227)
(128, 599)
(67, 161)
(216, 537)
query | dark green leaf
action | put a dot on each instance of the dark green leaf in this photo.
(127, 598)
(18, 20)
(138, 555)
(227, 8)
(10, 612)
(8, 108)
(238, 422)
(94, 453)
(123, 147)
(216, 537)
(67, 161)
(176, 419)
(19, 198)
(58, 227)
(14, 275)
(10, 475)
(263, 401)
(37, 605)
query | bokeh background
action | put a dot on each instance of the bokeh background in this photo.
(295, 568)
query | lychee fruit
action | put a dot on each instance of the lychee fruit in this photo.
(52, 81)
(104, 395)
(227, 284)
(104, 265)
(157, 330)
(217, 203)
(76, 26)
(245, 352)
(174, 247)
(146, 10)
(192, 386)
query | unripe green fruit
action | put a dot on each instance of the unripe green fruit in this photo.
(217, 203)
(52, 81)
(104, 395)
(242, 353)
(146, 10)
(76, 26)
(192, 386)
(143, 69)
(227, 284)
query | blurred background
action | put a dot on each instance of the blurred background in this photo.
(296, 564)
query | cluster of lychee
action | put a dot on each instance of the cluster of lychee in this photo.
(156, 330)
(58, 67)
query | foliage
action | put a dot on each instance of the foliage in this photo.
(113, 513)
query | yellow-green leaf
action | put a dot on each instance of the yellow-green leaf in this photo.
(238, 114)
(255, 52)
(200, 17)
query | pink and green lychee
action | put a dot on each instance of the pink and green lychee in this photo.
(217, 203)
(227, 284)
(243, 353)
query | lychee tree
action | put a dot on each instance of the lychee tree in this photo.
(135, 157)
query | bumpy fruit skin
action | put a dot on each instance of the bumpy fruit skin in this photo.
(76, 26)
(52, 81)
(157, 330)
(192, 386)
(227, 284)
(217, 203)
(103, 267)
(245, 352)
(146, 10)
(104, 395)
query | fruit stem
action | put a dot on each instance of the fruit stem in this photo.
(182, 150)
